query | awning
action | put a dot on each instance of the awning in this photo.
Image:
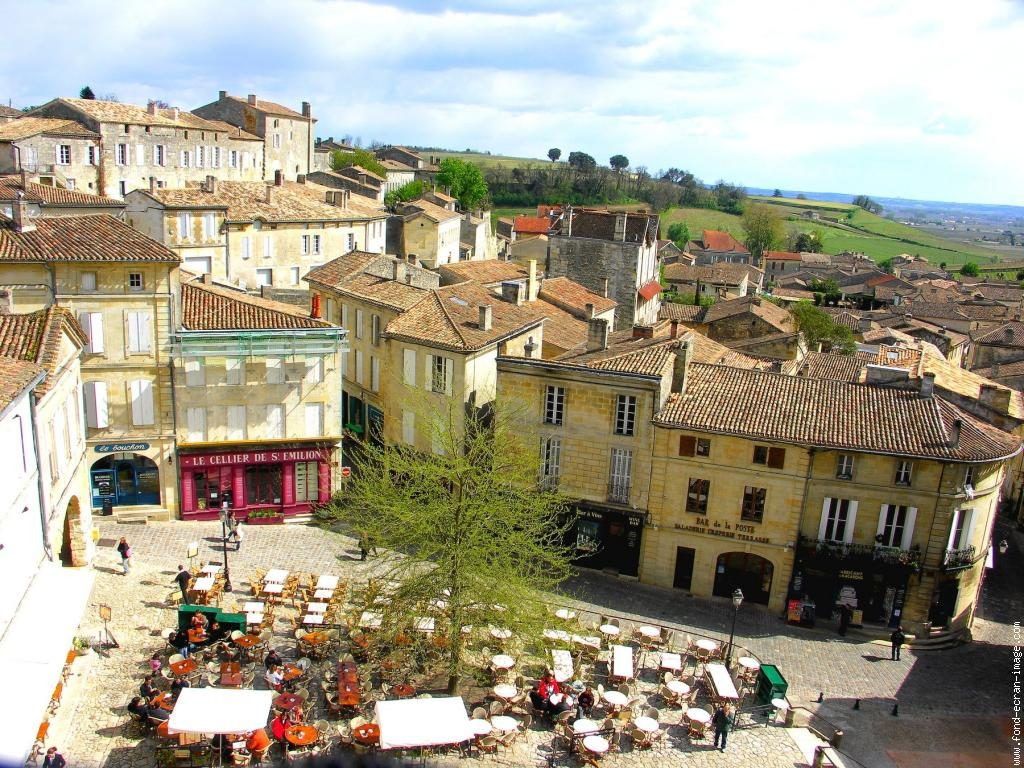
(34, 650)
(406, 723)
(650, 290)
(220, 710)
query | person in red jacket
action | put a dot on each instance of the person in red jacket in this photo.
(548, 685)
(278, 727)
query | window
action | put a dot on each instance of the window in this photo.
(196, 418)
(409, 427)
(374, 374)
(760, 454)
(896, 526)
(87, 281)
(186, 161)
(122, 188)
(263, 484)
(135, 281)
(316, 244)
(209, 225)
(159, 155)
(969, 482)
(844, 466)
(195, 372)
(234, 371)
(94, 155)
(960, 529)
(306, 477)
(359, 323)
(277, 141)
(96, 404)
(63, 154)
(122, 154)
(305, 245)
(375, 330)
(314, 419)
(697, 496)
(554, 405)
(233, 158)
(275, 370)
(275, 421)
(72, 184)
(772, 457)
(141, 396)
(625, 415)
(236, 422)
(246, 243)
(215, 157)
(293, 275)
(359, 366)
(201, 265)
(139, 324)
(619, 474)
(551, 458)
(314, 370)
(264, 277)
(351, 241)
(92, 324)
(268, 247)
(409, 367)
(753, 504)
(185, 225)
(838, 517)
(200, 155)
(440, 373)
(904, 469)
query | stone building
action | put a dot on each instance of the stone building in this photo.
(254, 234)
(998, 346)
(62, 151)
(120, 285)
(429, 233)
(716, 246)
(614, 254)
(139, 147)
(354, 178)
(401, 159)
(288, 136)
(49, 200)
(258, 417)
(722, 280)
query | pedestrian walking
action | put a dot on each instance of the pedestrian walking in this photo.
(897, 638)
(723, 720)
(234, 530)
(125, 551)
(845, 615)
(364, 546)
(54, 759)
(182, 579)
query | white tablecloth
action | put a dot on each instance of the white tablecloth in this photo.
(562, 666)
(407, 723)
(313, 618)
(316, 607)
(276, 575)
(327, 582)
(671, 661)
(622, 662)
(721, 681)
(707, 645)
(253, 607)
(556, 634)
(324, 594)
(211, 569)
(205, 584)
(698, 714)
(424, 624)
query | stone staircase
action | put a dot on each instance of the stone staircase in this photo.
(937, 639)
(141, 514)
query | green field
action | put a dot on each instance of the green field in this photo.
(803, 204)
(491, 161)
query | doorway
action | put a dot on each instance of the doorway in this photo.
(751, 573)
(129, 481)
(684, 568)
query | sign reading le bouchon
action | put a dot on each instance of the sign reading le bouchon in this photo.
(251, 457)
(122, 448)
(724, 529)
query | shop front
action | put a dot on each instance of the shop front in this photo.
(606, 538)
(288, 479)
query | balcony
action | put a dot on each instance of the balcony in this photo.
(548, 483)
(618, 491)
(958, 559)
(854, 554)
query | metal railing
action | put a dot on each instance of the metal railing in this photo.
(958, 559)
(618, 491)
(835, 550)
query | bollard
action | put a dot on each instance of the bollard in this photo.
(819, 757)
(896, 709)
(821, 696)
(856, 704)
(837, 738)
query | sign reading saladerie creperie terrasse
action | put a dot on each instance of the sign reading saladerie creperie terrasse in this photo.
(251, 457)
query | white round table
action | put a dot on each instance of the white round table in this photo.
(748, 663)
(504, 723)
(609, 629)
(707, 645)
(480, 727)
(678, 687)
(651, 632)
(781, 705)
(596, 744)
(505, 691)
(584, 726)
(562, 675)
(565, 614)
(501, 634)
(698, 715)
(615, 698)
(503, 661)
(647, 724)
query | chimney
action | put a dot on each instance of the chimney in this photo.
(567, 215)
(864, 324)
(221, 95)
(674, 329)
(278, 178)
(512, 292)
(597, 334)
(995, 368)
(995, 397)
(20, 214)
(604, 287)
(681, 366)
(531, 280)
(927, 384)
(252, 99)
(269, 199)
(620, 227)
(398, 275)
(485, 317)
(152, 185)
(954, 433)
(175, 113)
(307, 111)
(588, 311)
(151, 107)
(643, 331)
(342, 198)
(314, 306)
(301, 178)
(207, 278)
(211, 184)
(1008, 332)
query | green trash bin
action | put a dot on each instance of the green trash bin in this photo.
(770, 684)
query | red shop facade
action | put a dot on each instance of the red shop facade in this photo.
(287, 479)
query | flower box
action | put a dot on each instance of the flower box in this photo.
(265, 517)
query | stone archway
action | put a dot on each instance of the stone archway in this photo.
(751, 573)
(73, 548)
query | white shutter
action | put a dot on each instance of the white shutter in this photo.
(267, 247)
(851, 520)
(449, 375)
(314, 370)
(133, 332)
(409, 367)
(233, 370)
(236, 422)
(140, 154)
(823, 524)
(359, 323)
(92, 324)
(953, 523)
(195, 373)
(275, 370)
(882, 516)
(138, 331)
(275, 421)
(408, 427)
(908, 528)
(428, 376)
(96, 404)
(56, 154)
(246, 246)
(374, 374)
(143, 320)
(968, 529)
(196, 424)
(314, 420)
(344, 316)
(141, 395)
(359, 366)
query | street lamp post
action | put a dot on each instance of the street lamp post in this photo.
(224, 540)
(737, 600)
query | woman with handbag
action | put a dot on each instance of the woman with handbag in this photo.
(126, 554)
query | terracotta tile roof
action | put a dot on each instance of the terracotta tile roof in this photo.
(15, 376)
(781, 256)
(886, 334)
(33, 126)
(784, 292)
(775, 316)
(487, 272)
(394, 165)
(842, 316)
(1006, 335)
(684, 313)
(964, 382)
(531, 225)
(233, 131)
(246, 201)
(649, 290)
(999, 292)
(113, 112)
(717, 240)
(36, 337)
(880, 280)
(1016, 368)
(721, 273)
(99, 237)
(449, 318)
(897, 356)
(432, 211)
(561, 328)
(269, 107)
(600, 225)
(829, 365)
(573, 297)
(53, 197)
(211, 308)
(948, 311)
(354, 171)
(545, 210)
(6, 111)
(830, 414)
(347, 274)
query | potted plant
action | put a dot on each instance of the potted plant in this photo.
(82, 645)
(265, 517)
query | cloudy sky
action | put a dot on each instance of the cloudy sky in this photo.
(914, 98)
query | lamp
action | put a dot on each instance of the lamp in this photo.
(1003, 546)
(737, 601)
(224, 539)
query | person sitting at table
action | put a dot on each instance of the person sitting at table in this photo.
(155, 662)
(257, 741)
(559, 703)
(275, 678)
(273, 659)
(138, 706)
(179, 640)
(178, 684)
(147, 690)
(220, 743)
(199, 621)
(278, 728)
(585, 702)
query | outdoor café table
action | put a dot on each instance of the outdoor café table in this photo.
(204, 584)
(562, 665)
(671, 661)
(707, 645)
(622, 662)
(287, 701)
(748, 663)
(609, 629)
(370, 620)
(504, 723)
(348, 684)
(721, 682)
(323, 594)
(327, 581)
(698, 715)
(313, 618)
(646, 724)
(317, 607)
(230, 673)
(245, 642)
(651, 632)
(403, 691)
(505, 691)
(596, 744)
(293, 672)
(276, 576)
(253, 606)
(211, 569)
(301, 735)
(314, 638)
(499, 633)
(164, 701)
(368, 734)
(503, 661)
(565, 614)
(556, 634)
(779, 705)
(480, 727)
(162, 732)
(253, 618)
(424, 624)
(678, 687)
(196, 636)
(588, 641)
(184, 667)
(273, 588)
(615, 698)
(583, 726)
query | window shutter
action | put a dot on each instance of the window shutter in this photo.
(246, 247)
(374, 374)
(428, 378)
(182, 159)
(196, 424)
(275, 370)
(824, 518)
(359, 323)
(344, 316)
(954, 521)
(275, 421)
(409, 367)
(882, 517)
(141, 395)
(143, 320)
(236, 422)
(267, 247)
(851, 521)
(313, 420)
(408, 427)
(449, 375)
(96, 404)
(140, 154)
(908, 528)
(776, 457)
(687, 445)
(965, 538)
(359, 366)
(86, 320)
(133, 332)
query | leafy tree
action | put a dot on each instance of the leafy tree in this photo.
(777, 193)
(679, 233)
(809, 242)
(86, 93)
(465, 523)
(581, 161)
(360, 157)
(869, 205)
(819, 329)
(1020, 274)
(764, 228)
(405, 193)
(970, 269)
(942, 266)
(729, 197)
(801, 196)
(885, 265)
(618, 162)
(554, 153)
(159, 103)
(465, 181)
(825, 291)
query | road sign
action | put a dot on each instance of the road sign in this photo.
(346, 471)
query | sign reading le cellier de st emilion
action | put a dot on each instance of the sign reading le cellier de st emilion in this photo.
(724, 529)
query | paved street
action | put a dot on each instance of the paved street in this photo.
(942, 696)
